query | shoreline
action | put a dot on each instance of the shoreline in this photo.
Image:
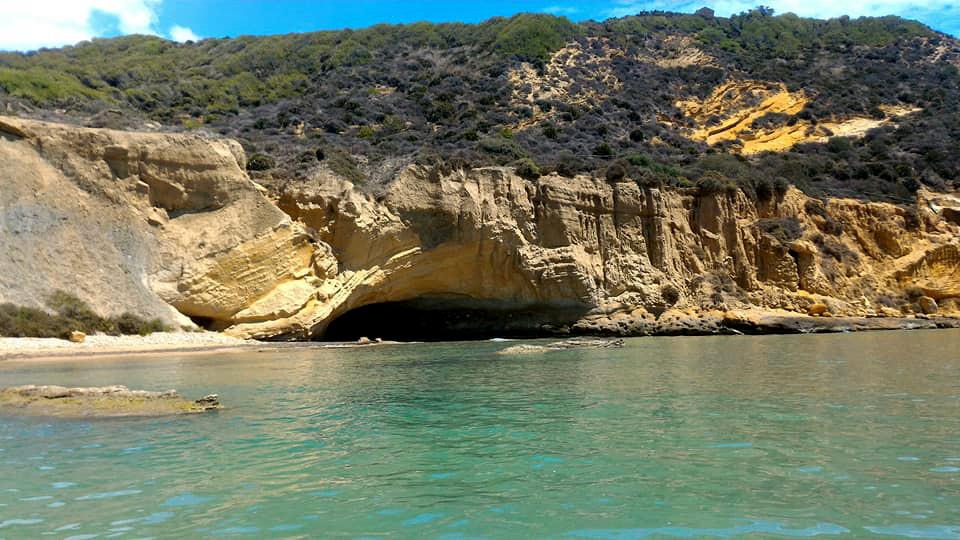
(195, 343)
(779, 322)
(159, 343)
(96, 346)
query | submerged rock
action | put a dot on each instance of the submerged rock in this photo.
(105, 401)
(564, 345)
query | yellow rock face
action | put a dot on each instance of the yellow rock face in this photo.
(935, 271)
(739, 103)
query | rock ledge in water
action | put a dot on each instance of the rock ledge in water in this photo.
(105, 401)
(564, 345)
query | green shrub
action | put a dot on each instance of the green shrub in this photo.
(764, 190)
(71, 308)
(192, 123)
(41, 85)
(670, 294)
(785, 230)
(129, 324)
(260, 162)
(527, 169)
(505, 149)
(647, 179)
(780, 186)
(69, 314)
(529, 36)
(616, 172)
(639, 160)
(839, 251)
(838, 145)
(603, 150)
(713, 182)
(342, 164)
(18, 321)
(569, 165)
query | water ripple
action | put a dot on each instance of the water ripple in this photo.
(804, 435)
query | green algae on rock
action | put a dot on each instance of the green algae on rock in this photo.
(106, 401)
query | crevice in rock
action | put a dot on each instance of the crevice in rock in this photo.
(796, 261)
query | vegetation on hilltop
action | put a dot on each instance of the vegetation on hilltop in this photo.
(365, 102)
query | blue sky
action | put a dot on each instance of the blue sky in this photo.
(28, 25)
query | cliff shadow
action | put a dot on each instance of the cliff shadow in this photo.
(440, 319)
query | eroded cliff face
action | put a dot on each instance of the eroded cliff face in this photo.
(162, 225)
(615, 256)
(170, 225)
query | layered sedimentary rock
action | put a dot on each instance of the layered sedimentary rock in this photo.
(159, 225)
(170, 225)
(735, 111)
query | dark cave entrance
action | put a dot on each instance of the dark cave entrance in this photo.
(207, 323)
(430, 319)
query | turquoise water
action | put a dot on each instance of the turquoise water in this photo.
(852, 436)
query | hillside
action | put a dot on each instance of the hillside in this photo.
(656, 174)
(866, 108)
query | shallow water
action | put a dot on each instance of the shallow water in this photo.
(852, 435)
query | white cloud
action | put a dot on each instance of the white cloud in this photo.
(28, 25)
(182, 33)
(941, 14)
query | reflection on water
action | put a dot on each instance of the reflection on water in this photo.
(777, 436)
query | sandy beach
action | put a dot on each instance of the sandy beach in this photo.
(103, 345)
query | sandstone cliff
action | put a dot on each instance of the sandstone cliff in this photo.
(171, 226)
(161, 225)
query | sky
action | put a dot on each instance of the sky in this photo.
(30, 24)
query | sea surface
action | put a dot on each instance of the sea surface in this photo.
(851, 436)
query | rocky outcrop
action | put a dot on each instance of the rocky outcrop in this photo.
(105, 401)
(160, 225)
(170, 225)
(735, 111)
(567, 345)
